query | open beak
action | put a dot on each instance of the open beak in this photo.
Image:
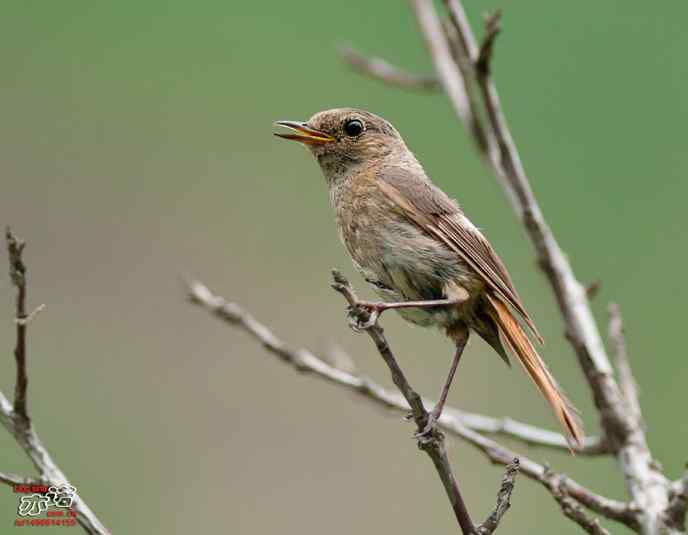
(306, 134)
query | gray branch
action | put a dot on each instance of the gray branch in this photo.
(383, 71)
(526, 433)
(15, 417)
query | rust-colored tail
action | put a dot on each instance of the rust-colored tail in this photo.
(516, 342)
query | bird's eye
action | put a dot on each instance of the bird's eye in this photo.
(353, 127)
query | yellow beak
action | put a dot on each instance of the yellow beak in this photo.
(307, 135)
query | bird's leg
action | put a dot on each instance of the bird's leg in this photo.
(364, 314)
(434, 415)
(373, 310)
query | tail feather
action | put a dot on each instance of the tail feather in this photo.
(518, 344)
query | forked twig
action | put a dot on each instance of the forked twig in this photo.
(430, 441)
(15, 417)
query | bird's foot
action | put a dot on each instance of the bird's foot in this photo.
(430, 428)
(364, 315)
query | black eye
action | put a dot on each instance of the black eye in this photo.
(353, 127)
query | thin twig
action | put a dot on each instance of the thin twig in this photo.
(383, 71)
(15, 248)
(526, 433)
(15, 417)
(451, 421)
(465, 64)
(32, 316)
(491, 523)
(492, 29)
(432, 441)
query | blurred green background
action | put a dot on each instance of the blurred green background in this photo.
(137, 146)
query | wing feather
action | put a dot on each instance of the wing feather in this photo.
(432, 210)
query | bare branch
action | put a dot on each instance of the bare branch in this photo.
(15, 418)
(629, 388)
(383, 71)
(15, 248)
(452, 420)
(526, 433)
(571, 508)
(465, 65)
(430, 441)
(503, 500)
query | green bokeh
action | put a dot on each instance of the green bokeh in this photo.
(136, 143)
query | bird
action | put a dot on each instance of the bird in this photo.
(419, 252)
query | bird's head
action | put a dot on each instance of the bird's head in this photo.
(345, 137)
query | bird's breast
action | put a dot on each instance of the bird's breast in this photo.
(392, 253)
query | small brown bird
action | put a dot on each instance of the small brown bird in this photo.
(418, 250)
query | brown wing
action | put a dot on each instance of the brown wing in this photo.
(431, 209)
